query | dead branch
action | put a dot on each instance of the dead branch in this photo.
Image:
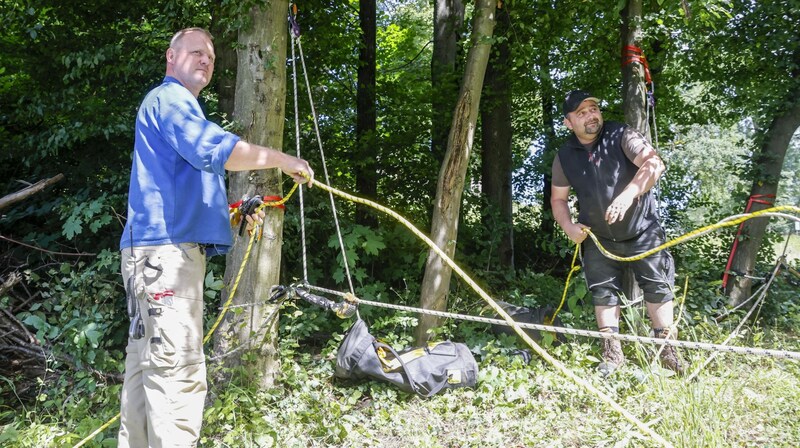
(68, 254)
(13, 198)
(23, 359)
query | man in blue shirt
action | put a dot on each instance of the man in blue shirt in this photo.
(177, 215)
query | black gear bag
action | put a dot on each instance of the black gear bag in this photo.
(422, 370)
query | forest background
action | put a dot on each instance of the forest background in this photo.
(726, 83)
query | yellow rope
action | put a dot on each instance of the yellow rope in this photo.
(573, 268)
(246, 257)
(694, 233)
(676, 241)
(97, 431)
(499, 310)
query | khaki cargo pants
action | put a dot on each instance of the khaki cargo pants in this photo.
(165, 373)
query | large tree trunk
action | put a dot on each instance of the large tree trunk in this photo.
(366, 163)
(496, 131)
(260, 99)
(634, 100)
(444, 225)
(768, 164)
(448, 18)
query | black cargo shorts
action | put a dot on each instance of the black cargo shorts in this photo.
(654, 274)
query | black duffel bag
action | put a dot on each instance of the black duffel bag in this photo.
(422, 370)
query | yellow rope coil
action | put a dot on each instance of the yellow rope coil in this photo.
(573, 268)
(685, 237)
(694, 233)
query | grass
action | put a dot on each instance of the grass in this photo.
(738, 401)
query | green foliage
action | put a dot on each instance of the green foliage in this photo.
(78, 313)
(513, 405)
(71, 78)
(212, 284)
(357, 240)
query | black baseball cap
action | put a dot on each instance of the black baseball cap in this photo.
(574, 99)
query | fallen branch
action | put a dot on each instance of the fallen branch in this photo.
(13, 198)
(25, 360)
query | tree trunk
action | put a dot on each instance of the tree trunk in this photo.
(225, 64)
(496, 134)
(634, 90)
(634, 99)
(546, 92)
(260, 99)
(768, 164)
(450, 186)
(366, 163)
(448, 18)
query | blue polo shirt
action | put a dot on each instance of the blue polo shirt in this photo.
(177, 189)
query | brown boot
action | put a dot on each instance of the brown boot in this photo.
(613, 357)
(669, 356)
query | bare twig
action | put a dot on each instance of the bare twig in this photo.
(67, 254)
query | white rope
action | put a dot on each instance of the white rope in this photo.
(322, 156)
(735, 332)
(297, 144)
(741, 305)
(782, 354)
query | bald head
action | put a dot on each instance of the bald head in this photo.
(177, 37)
(190, 58)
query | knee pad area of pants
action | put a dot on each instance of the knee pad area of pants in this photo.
(658, 297)
(605, 297)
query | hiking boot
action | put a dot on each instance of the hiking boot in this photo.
(669, 356)
(613, 357)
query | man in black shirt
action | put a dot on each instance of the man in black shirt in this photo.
(612, 169)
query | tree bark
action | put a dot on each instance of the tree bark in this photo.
(366, 160)
(634, 100)
(226, 63)
(448, 18)
(259, 110)
(450, 186)
(634, 90)
(768, 164)
(496, 132)
(548, 225)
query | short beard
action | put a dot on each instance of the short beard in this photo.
(593, 128)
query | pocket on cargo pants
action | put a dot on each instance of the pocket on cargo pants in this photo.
(172, 305)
